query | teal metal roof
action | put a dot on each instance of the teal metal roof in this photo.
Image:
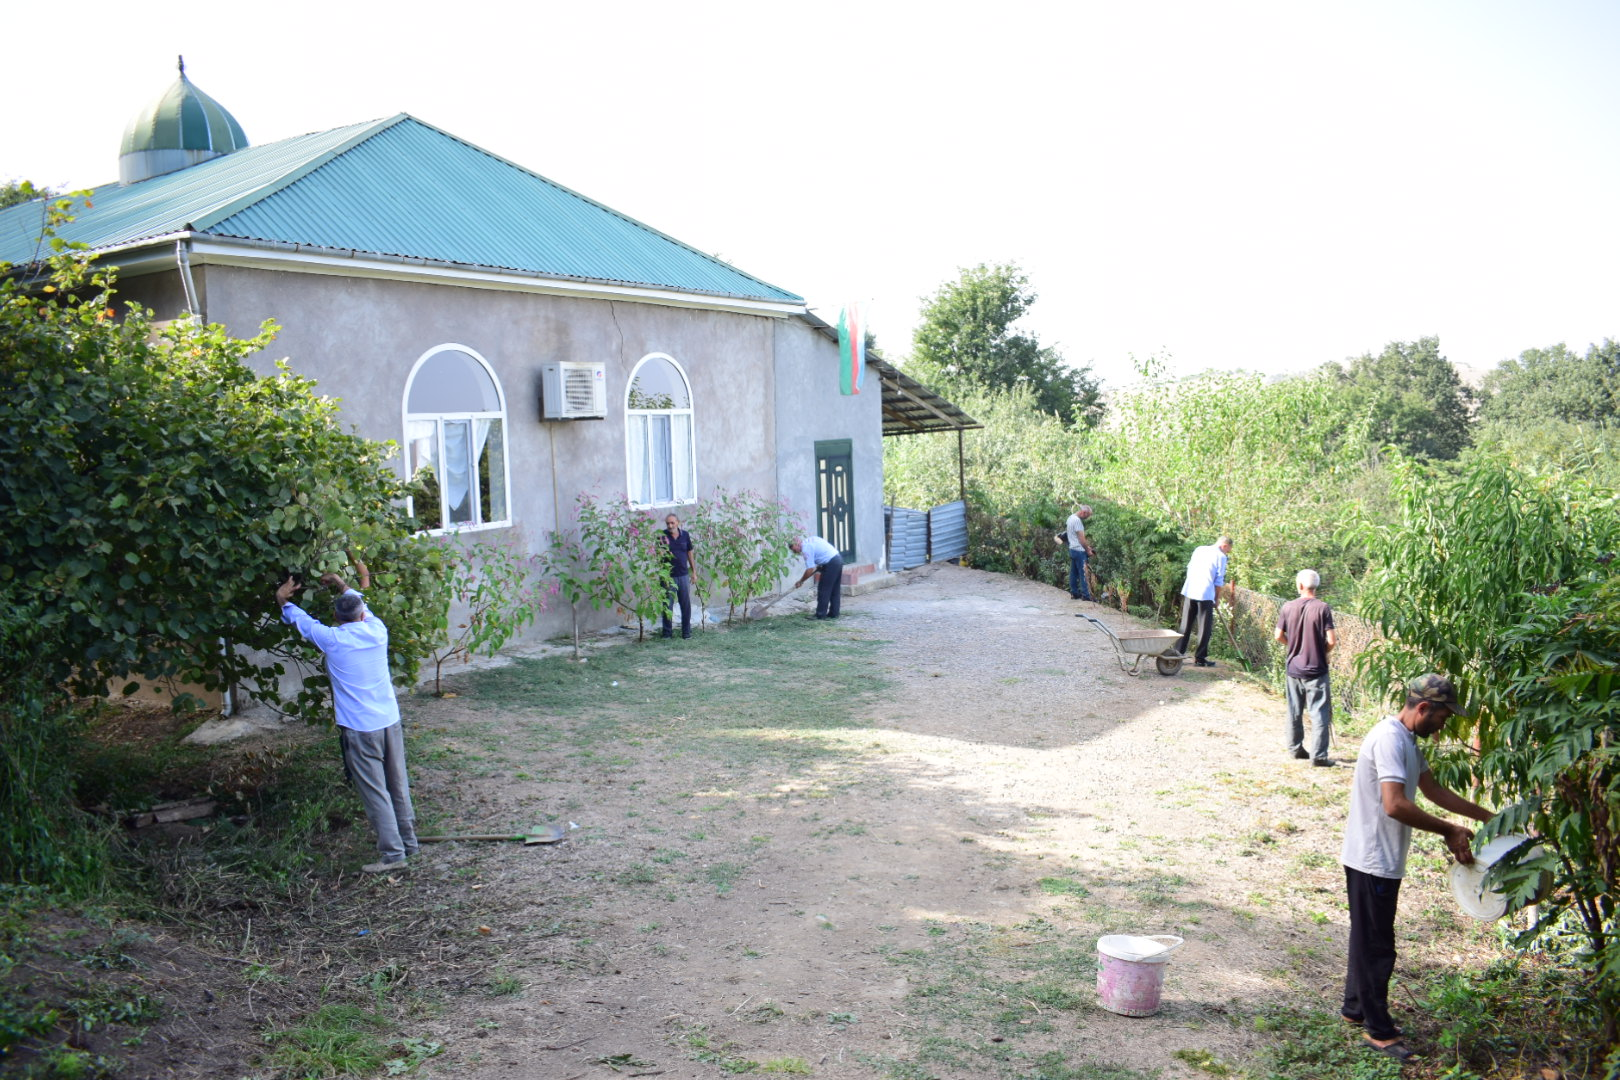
(395, 187)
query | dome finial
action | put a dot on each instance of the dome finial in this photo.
(182, 67)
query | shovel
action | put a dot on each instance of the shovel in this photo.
(757, 609)
(540, 834)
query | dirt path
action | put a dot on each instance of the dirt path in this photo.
(924, 902)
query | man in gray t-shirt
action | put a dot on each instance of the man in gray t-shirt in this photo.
(1376, 837)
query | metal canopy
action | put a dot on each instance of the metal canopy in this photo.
(910, 408)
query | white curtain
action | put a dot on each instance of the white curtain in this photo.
(640, 488)
(663, 488)
(458, 471)
(684, 475)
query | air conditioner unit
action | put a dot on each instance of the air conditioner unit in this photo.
(571, 390)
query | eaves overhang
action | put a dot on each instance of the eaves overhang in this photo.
(158, 253)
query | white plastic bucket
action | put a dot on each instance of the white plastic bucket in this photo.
(1468, 882)
(1130, 971)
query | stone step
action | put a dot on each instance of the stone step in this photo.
(865, 578)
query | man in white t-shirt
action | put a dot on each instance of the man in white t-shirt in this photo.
(1080, 550)
(1376, 838)
(1206, 574)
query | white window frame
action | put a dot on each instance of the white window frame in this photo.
(439, 418)
(632, 417)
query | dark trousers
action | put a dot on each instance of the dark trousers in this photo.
(1372, 951)
(830, 590)
(1196, 616)
(1077, 574)
(680, 592)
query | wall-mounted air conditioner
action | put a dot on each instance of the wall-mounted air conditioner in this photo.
(571, 390)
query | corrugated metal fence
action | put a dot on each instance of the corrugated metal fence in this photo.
(908, 537)
(917, 536)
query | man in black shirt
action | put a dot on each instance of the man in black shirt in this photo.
(678, 547)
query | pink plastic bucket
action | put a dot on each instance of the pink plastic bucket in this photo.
(1130, 972)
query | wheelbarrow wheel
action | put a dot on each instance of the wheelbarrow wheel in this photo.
(1168, 665)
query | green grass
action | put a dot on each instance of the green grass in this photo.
(335, 1040)
(776, 691)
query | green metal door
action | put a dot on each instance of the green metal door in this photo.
(835, 495)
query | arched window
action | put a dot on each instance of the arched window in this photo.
(658, 434)
(455, 440)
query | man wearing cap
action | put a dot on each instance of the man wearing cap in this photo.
(1206, 573)
(1305, 630)
(1376, 838)
(1080, 550)
(822, 559)
(373, 742)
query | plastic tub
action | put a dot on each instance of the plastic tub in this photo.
(1130, 971)
(1468, 882)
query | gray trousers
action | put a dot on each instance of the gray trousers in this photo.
(376, 764)
(1312, 698)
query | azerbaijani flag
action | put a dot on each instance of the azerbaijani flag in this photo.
(851, 349)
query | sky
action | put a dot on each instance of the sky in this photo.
(1264, 186)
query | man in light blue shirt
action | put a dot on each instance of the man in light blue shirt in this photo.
(373, 741)
(1206, 574)
(821, 558)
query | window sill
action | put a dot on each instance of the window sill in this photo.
(457, 530)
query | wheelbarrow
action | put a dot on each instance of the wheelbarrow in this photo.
(1159, 644)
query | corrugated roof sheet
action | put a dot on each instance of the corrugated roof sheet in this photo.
(395, 187)
(910, 408)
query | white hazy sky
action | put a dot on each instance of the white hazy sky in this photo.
(1241, 184)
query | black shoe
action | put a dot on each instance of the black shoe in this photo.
(1203, 663)
(1301, 753)
(666, 634)
(685, 634)
(1325, 762)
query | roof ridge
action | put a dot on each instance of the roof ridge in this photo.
(365, 129)
(599, 205)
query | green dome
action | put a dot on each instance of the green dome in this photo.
(183, 127)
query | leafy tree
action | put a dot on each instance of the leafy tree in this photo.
(14, 192)
(611, 558)
(1506, 582)
(1412, 397)
(966, 338)
(494, 586)
(154, 490)
(744, 545)
(1555, 384)
(1268, 463)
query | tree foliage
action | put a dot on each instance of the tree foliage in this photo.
(967, 339)
(496, 594)
(16, 192)
(1267, 463)
(1505, 581)
(1412, 397)
(154, 490)
(744, 540)
(1555, 384)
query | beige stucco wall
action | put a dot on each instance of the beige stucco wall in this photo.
(764, 389)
